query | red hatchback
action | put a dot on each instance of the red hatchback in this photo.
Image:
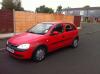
(41, 39)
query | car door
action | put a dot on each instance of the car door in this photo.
(56, 41)
(68, 34)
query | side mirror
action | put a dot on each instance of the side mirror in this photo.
(55, 33)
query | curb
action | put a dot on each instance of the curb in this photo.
(3, 36)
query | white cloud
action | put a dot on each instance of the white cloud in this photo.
(32, 4)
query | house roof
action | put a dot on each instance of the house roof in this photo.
(84, 8)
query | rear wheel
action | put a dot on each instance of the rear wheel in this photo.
(40, 54)
(75, 43)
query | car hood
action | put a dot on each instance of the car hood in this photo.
(24, 38)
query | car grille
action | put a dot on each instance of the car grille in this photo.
(10, 45)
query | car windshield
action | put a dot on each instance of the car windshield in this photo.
(40, 28)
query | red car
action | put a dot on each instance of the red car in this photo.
(41, 39)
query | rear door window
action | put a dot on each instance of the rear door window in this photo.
(69, 27)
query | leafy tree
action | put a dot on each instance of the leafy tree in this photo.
(19, 7)
(44, 9)
(10, 5)
(87, 6)
(59, 9)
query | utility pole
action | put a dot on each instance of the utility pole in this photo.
(14, 22)
(87, 12)
(68, 7)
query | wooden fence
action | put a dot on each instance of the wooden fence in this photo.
(25, 20)
(20, 21)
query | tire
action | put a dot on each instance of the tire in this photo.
(75, 43)
(39, 55)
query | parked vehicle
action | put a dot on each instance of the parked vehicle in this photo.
(41, 39)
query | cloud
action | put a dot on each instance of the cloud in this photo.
(32, 4)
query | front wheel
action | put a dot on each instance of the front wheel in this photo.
(75, 43)
(39, 55)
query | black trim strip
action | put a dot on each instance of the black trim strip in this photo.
(57, 42)
(60, 41)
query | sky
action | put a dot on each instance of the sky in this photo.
(32, 4)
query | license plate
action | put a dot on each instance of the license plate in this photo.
(10, 50)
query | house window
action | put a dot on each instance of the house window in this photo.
(71, 12)
(81, 12)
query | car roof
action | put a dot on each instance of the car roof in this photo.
(53, 22)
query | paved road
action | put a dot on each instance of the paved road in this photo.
(83, 60)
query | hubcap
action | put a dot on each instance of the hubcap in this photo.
(75, 43)
(40, 54)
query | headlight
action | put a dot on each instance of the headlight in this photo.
(24, 46)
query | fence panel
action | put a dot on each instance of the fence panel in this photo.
(25, 20)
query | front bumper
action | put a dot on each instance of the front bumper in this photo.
(22, 54)
(13, 51)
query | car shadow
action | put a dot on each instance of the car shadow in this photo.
(59, 51)
(49, 55)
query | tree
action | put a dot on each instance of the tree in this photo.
(44, 9)
(12, 4)
(87, 6)
(59, 9)
(19, 7)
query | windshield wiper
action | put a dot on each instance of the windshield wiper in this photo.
(30, 32)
